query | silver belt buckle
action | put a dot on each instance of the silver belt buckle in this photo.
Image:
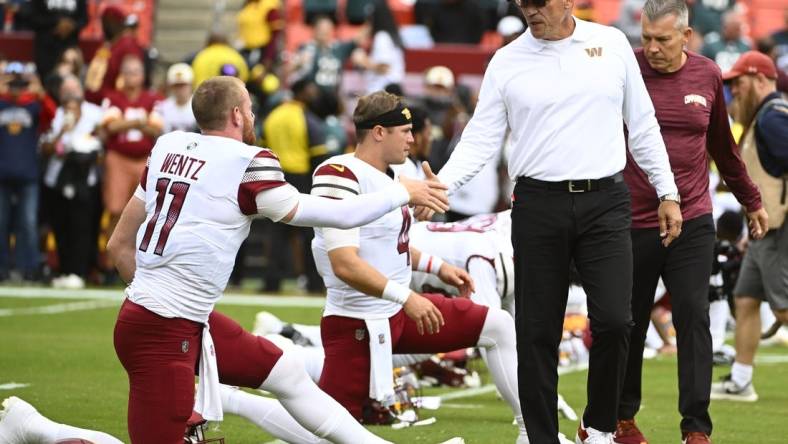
(572, 189)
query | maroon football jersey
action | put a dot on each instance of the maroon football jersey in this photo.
(132, 143)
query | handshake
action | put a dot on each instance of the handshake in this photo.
(428, 196)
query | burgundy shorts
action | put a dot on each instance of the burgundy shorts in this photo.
(346, 343)
(161, 357)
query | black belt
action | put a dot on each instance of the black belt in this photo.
(574, 186)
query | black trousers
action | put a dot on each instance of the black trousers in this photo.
(685, 267)
(549, 229)
(280, 238)
(74, 224)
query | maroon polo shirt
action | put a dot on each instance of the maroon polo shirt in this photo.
(693, 120)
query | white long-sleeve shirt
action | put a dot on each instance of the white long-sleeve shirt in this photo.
(565, 103)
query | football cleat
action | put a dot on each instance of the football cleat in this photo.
(195, 431)
(695, 438)
(266, 323)
(589, 435)
(728, 390)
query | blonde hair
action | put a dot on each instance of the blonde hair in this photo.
(214, 100)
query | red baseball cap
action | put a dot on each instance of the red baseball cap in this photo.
(114, 13)
(752, 62)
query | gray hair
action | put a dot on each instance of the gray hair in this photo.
(656, 9)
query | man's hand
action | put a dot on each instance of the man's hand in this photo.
(457, 277)
(424, 312)
(759, 223)
(669, 221)
(429, 194)
(424, 213)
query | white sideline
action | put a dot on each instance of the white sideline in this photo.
(117, 295)
(58, 308)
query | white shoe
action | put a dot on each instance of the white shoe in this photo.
(455, 440)
(590, 435)
(14, 418)
(73, 282)
(266, 323)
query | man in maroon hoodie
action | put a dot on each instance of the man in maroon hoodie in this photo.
(686, 90)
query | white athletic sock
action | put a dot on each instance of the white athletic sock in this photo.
(311, 407)
(741, 374)
(498, 339)
(268, 414)
(718, 317)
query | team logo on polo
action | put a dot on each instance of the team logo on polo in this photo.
(695, 100)
(359, 334)
(594, 52)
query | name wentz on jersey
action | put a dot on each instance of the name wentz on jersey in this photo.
(199, 194)
(384, 243)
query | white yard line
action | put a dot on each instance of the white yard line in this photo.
(58, 308)
(117, 295)
(771, 359)
(13, 385)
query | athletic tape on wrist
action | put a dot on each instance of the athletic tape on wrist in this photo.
(429, 263)
(395, 292)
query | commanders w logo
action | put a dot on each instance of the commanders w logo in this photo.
(594, 52)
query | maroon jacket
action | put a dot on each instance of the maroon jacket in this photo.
(693, 120)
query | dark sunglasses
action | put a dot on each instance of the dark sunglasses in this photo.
(531, 3)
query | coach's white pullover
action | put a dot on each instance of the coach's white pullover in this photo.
(565, 103)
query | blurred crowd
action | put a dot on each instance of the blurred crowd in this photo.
(75, 133)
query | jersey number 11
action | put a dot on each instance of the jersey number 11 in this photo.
(178, 191)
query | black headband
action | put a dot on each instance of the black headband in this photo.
(396, 117)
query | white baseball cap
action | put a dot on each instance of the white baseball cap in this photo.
(510, 25)
(180, 73)
(440, 76)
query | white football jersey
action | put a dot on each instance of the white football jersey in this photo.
(384, 243)
(481, 245)
(199, 198)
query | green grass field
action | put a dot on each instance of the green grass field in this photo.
(68, 360)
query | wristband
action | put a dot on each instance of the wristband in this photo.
(395, 292)
(429, 263)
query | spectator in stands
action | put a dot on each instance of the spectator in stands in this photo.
(629, 20)
(323, 59)
(421, 146)
(444, 110)
(216, 56)
(386, 62)
(71, 62)
(260, 28)
(132, 127)
(780, 39)
(119, 41)
(706, 15)
(452, 21)
(176, 110)
(297, 137)
(726, 47)
(56, 26)
(71, 182)
(510, 27)
(24, 112)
